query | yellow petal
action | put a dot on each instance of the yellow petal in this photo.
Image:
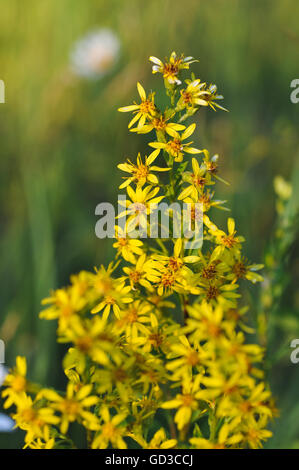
(126, 109)
(231, 225)
(189, 131)
(191, 150)
(195, 166)
(152, 157)
(141, 91)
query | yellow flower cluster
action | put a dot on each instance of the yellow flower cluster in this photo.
(157, 354)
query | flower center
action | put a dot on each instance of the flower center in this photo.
(239, 269)
(170, 70)
(212, 293)
(196, 213)
(159, 123)
(103, 286)
(187, 400)
(192, 358)
(109, 300)
(28, 415)
(228, 241)
(175, 146)
(135, 276)
(70, 408)
(187, 97)
(123, 241)
(211, 167)
(209, 272)
(175, 264)
(19, 383)
(205, 199)
(108, 430)
(84, 343)
(147, 107)
(156, 339)
(138, 207)
(168, 279)
(132, 316)
(213, 330)
(141, 172)
(119, 375)
(198, 180)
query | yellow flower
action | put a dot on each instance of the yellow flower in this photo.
(128, 369)
(73, 406)
(228, 436)
(282, 188)
(212, 267)
(81, 284)
(205, 198)
(144, 273)
(185, 403)
(152, 375)
(15, 382)
(113, 293)
(110, 431)
(90, 337)
(160, 124)
(241, 269)
(44, 442)
(175, 147)
(218, 292)
(158, 441)
(141, 172)
(143, 111)
(32, 419)
(193, 95)
(173, 272)
(158, 336)
(102, 281)
(117, 376)
(133, 319)
(142, 202)
(41, 444)
(225, 241)
(211, 165)
(250, 404)
(244, 355)
(177, 261)
(127, 247)
(171, 69)
(212, 96)
(114, 299)
(185, 359)
(65, 305)
(169, 282)
(197, 181)
(253, 432)
(207, 323)
(218, 384)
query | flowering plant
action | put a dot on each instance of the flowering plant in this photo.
(158, 354)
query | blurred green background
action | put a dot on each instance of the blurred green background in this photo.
(61, 138)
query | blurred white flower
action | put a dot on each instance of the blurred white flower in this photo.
(6, 423)
(95, 54)
(3, 373)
